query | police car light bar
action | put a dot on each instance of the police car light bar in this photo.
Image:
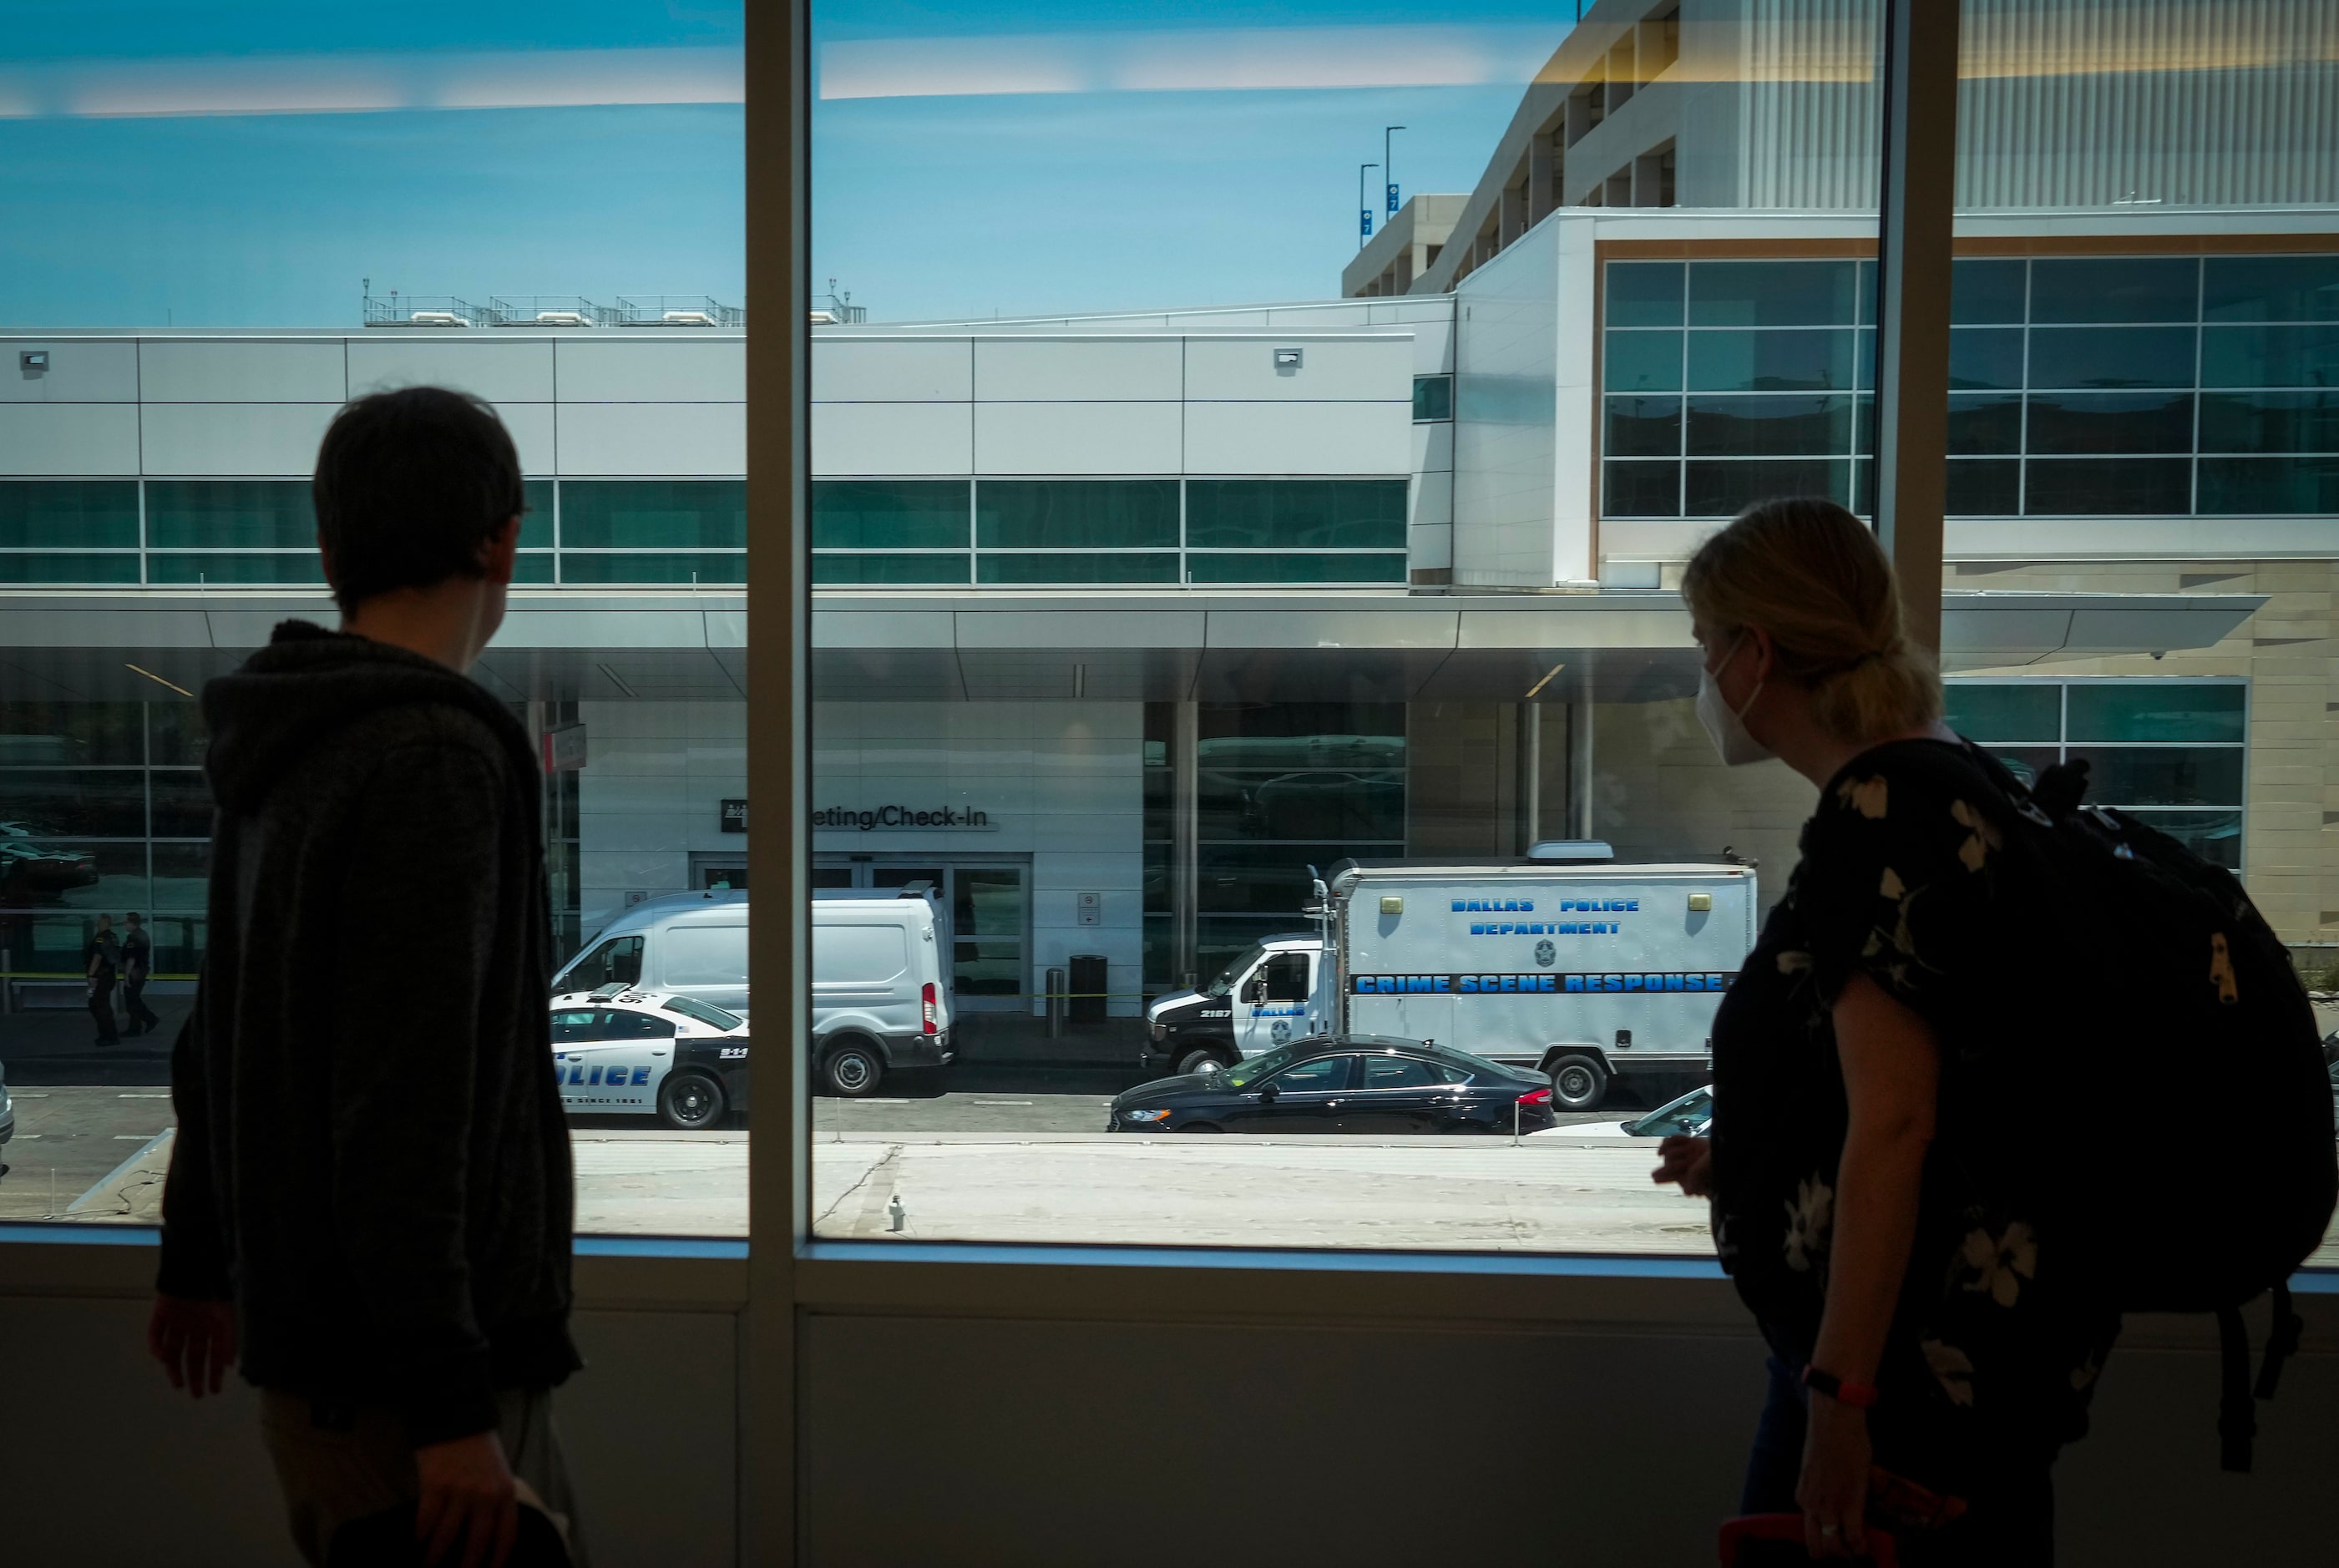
(1571, 849)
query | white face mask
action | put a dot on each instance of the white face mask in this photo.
(1726, 725)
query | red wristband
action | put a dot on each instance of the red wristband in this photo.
(1858, 1396)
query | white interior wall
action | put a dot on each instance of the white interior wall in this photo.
(1032, 1438)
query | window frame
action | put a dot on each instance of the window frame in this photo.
(781, 1277)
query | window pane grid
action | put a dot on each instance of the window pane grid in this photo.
(2110, 387)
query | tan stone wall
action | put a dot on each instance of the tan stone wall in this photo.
(2290, 852)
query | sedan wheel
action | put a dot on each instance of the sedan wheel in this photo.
(690, 1101)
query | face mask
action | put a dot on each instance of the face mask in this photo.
(1726, 725)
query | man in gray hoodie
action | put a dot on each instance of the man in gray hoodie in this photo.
(369, 1199)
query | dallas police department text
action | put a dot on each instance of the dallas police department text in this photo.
(902, 816)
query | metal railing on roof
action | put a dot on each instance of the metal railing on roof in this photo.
(546, 311)
(421, 311)
(445, 310)
(679, 310)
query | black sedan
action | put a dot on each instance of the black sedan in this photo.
(1359, 1083)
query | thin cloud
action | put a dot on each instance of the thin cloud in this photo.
(371, 83)
(1223, 59)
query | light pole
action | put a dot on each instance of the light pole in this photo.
(1364, 212)
(1388, 165)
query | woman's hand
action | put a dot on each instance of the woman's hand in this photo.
(1687, 1161)
(1833, 1490)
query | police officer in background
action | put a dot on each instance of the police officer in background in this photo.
(137, 963)
(102, 966)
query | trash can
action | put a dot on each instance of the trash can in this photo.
(1088, 988)
(1056, 988)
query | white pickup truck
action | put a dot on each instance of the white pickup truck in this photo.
(1580, 968)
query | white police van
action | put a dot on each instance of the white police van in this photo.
(620, 1051)
(1565, 964)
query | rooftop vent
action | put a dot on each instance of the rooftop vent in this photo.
(1571, 849)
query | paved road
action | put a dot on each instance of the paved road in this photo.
(68, 1136)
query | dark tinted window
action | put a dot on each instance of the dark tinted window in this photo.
(1985, 291)
(1771, 293)
(570, 1025)
(2270, 288)
(1072, 513)
(652, 514)
(617, 961)
(909, 567)
(2114, 289)
(2112, 357)
(890, 514)
(1432, 399)
(1323, 1073)
(84, 513)
(215, 514)
(2105, 422)
(622, 1023)
(1295, 514)
(1645, 294)
(1643, 428)
(1398, 1072)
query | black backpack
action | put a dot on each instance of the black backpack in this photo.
(2186, 981)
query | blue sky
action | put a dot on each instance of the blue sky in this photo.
(924, 205)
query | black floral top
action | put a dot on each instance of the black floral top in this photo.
(1910, 874)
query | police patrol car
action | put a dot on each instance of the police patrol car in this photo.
(623, 1052)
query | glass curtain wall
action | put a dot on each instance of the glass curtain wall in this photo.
(1161, 561)
(254, 215)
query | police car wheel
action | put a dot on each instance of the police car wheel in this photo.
(690, 1100)
(1201, 1060)
(1578, 1084)
(852, 1070)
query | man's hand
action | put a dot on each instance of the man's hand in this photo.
(1687, 1161)
(468, 1496)
(193, 1340)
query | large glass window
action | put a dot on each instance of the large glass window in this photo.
(2082, 386)
(2173, 752)
(211, 285)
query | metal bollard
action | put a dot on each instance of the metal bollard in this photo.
(1057, 987)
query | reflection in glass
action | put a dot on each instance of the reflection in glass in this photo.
(1770, 362)
(2276, 486)
(1977, 489)
(1643, 293)
(2158, 711)
(1720, 488)
(1767, 427)
(2111, 356)
(1643, 428)
(2075, 423)
(2087, 487)
(2114, 288)
(1642, 361)
(74, 514)
(2162, 775)
(223, 514)
(1770, 293)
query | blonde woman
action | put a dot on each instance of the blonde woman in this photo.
(1872, 1156)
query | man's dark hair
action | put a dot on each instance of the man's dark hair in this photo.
(411, 485)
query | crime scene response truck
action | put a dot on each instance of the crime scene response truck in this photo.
(1567, 963)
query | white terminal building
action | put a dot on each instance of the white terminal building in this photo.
(1120, 623)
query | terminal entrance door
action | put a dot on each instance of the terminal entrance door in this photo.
(987, 904)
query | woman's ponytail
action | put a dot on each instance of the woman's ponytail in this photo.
(1811, 574)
